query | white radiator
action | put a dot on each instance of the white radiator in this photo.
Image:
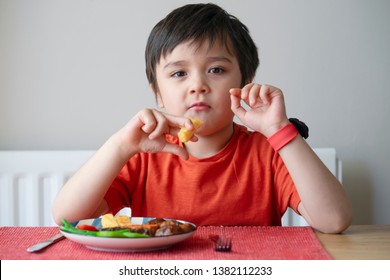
(30, 180)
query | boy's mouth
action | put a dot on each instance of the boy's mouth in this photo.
(200, 106)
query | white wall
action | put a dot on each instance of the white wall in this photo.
(72, 73)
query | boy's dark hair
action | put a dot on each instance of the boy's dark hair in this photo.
(198, 23)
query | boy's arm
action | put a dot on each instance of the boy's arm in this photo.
(324, 203)
(83, 194)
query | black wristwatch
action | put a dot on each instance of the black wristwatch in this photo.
(301, 127)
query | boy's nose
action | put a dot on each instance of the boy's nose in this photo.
(198, 85)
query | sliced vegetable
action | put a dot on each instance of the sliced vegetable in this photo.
(68, 227)
(122, 233)
(87, 227)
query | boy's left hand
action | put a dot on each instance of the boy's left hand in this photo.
(266, 113)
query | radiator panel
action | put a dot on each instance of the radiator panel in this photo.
(30, 181)
(27, 198)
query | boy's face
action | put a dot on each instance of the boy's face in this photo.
(194, 81)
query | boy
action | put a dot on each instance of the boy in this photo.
(200, 62)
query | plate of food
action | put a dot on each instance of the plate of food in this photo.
(127, 234)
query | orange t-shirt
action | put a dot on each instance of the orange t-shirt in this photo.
(246, 183)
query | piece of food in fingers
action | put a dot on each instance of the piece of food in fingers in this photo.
(185, 134)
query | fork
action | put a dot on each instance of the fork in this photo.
(222, 244)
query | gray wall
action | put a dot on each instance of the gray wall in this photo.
(72, 73)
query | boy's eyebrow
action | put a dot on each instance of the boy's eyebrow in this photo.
(174, 63)
(220, 58)
(211, 58)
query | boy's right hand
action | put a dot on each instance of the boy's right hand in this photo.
(146, 131)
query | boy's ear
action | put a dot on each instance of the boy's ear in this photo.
(159, 100)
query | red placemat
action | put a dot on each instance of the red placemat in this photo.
(252, 243)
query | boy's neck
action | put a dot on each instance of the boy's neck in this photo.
(208, 146)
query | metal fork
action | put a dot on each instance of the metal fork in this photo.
(222, 244)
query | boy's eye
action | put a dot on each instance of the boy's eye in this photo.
(216, 70)
(178, 74)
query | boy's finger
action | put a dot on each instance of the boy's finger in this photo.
(148, 121)
(161, 126)
(236, 107)
(254, 94)
(176, 123)
(264, 93)
(245, 91)
(235, 92)
(176, 150)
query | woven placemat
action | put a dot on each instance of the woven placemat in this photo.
(251, 243)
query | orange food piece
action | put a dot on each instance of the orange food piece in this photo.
(123, 221)
(185, 134)
(109, 221)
